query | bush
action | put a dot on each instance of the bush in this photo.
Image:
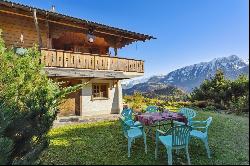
(28, 106)
(200, 104)
(240, 105)
(210, 108)
(222, 93)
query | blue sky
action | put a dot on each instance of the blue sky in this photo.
(187, 31)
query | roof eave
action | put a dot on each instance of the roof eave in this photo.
(137, 36)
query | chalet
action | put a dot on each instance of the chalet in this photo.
(75, 51)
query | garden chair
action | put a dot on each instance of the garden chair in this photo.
(132, 132)
(203, 135)
(128, 115)
(176, 137)
(188, 113)
(152, 109)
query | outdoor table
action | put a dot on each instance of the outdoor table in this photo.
(155, 118)
(151, 118)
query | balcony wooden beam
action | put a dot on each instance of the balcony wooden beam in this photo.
(83, 73)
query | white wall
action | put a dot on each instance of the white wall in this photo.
(103, 106)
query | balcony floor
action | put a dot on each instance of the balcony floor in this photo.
(87, 73)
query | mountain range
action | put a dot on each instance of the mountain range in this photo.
(189, 77)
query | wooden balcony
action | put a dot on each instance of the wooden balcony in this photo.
(84, 64)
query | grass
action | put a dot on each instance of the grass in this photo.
(103, 143)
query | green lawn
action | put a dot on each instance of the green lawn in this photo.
(103, 143)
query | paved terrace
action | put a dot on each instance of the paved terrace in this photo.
(60, 121)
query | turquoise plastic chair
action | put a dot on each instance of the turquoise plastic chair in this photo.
(188, 113)
(128, 115)
(176, 137)
(203, 135)
(131, 133)
(152, 109)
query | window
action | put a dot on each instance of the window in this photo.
(100, 91)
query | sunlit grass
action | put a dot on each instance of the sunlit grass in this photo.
(104, 143)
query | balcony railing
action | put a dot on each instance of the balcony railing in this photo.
(78, 60)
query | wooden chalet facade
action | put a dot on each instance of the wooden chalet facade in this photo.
(75, 51)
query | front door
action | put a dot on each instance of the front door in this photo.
(71, 104)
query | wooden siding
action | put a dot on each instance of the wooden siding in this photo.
(71, 105)
(13, 27)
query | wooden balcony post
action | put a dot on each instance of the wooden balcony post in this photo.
(37, 30)
(115, 50)
(94, 62)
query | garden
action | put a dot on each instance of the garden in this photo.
(104, 143)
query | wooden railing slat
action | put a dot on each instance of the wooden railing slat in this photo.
(68, 59)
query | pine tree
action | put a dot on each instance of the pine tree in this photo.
(28, 106)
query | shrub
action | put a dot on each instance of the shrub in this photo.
(28, 106)
(200, 104)
(222, 93)
(240, 105)
(210, 108)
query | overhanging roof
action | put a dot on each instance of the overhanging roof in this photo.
(101, 28)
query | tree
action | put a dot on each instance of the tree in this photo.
(224, 93)
(28, 106)
(213, 89)
(239, 95)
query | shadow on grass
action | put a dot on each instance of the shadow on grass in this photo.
(104, 143)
